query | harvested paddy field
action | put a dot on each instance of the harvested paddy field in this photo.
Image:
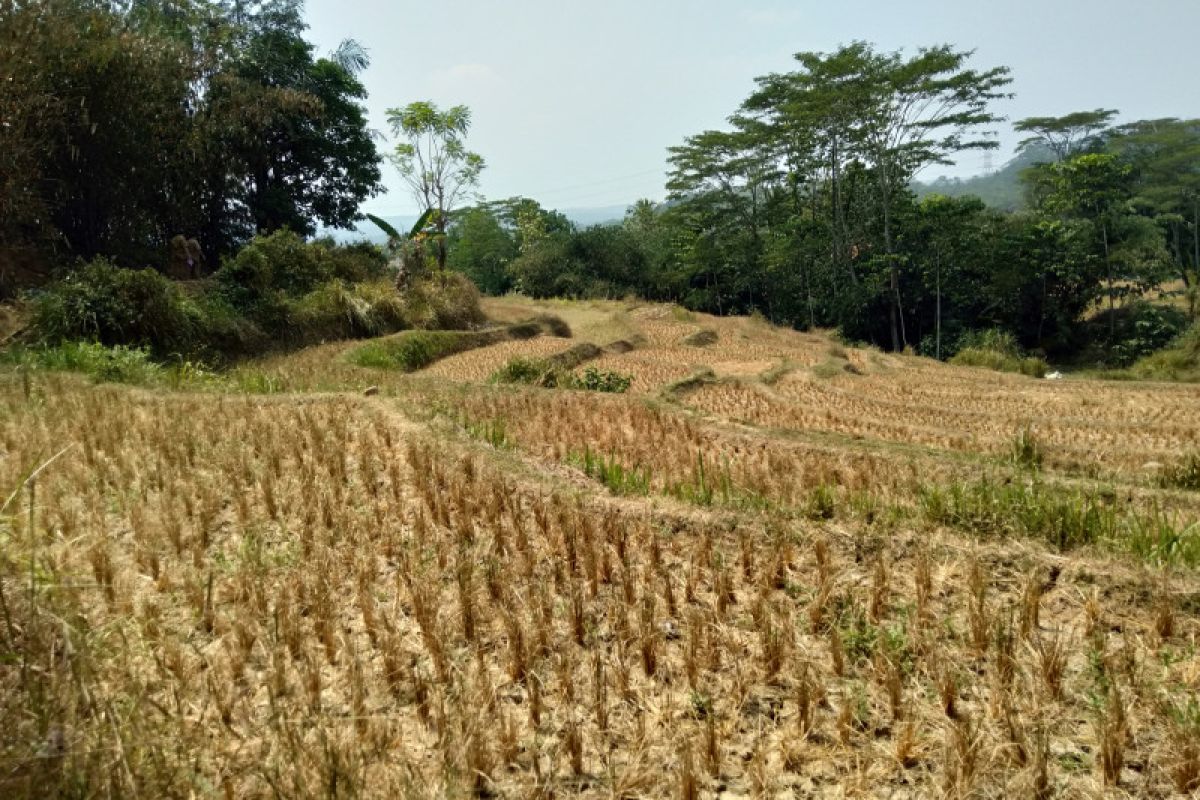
(775, 566)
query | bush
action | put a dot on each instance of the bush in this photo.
(113, 306)
(594, 380)
(278, 262)
(336, 310)
(549, 374)
(531, 371)
(997, 350)
(442, 300)
(116, 364)
(357, 262)
(414, 350)
(1179, 362)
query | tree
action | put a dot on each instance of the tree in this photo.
(925, 109)
(1067, 135)
(434, 161)
(1095, 187)
(283, 134)
(130, 123)
(1165, 157)
(481, 248)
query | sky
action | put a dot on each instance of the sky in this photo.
(575, 103)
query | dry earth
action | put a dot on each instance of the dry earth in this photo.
(748, 576)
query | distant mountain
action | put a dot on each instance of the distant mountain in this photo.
(1002, 189)
(582, 217)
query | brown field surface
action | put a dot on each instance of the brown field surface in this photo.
(777, 566)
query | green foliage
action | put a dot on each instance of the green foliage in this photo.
(130, 123)
(1025, 450)
(1006, 509)
(1064, 518)
(997, 350)
(104, 364)
(1182, 474)
(433, 160)
(114, 306)
(442, 300)
(1138, 329)
(1157, 539)
(493, 431)
(1179, 362)
(594, 380)
(413, 350)
(821, 503)
(547, 374)
(614, 475)
(279, 263)
(337, 310)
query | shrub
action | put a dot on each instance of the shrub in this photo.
(534, 372)
(594, 380)
(113, 306)
(357, 262)
(278, 262)
(1179, 362)
(442, 300)
(414, 350)
(997, 350)
(337, 310)
(115, 364)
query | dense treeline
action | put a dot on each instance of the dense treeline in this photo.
(803, 211)
(169, 134)
(129, 124)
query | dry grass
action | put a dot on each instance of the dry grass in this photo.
(316, 593)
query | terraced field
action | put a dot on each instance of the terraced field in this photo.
(777, 566)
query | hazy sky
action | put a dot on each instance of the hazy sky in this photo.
(575, 103)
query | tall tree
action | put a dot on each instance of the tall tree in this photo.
(1097, 188)
(434, 160)
(926, 109)
(1165, 156)
(1067, 135)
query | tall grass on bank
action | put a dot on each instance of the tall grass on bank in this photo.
(997, 350)
(1063, 518)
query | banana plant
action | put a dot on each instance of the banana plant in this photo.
(409, 250)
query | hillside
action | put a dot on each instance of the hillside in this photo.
(1001, 189)
(775, 564)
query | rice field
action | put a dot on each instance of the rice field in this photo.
(778, 566)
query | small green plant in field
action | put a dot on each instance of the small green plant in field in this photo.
(821, 503)
(594, 380)
(529, 371)
(1156, 539)
(1183, 474)
(618, 478)
(252, 381)
(492, 431)
(1063, 518)
(542, 372)
(1025, 450)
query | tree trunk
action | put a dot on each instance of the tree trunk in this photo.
(1112, 315)
(896, 315)
(938, 336)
